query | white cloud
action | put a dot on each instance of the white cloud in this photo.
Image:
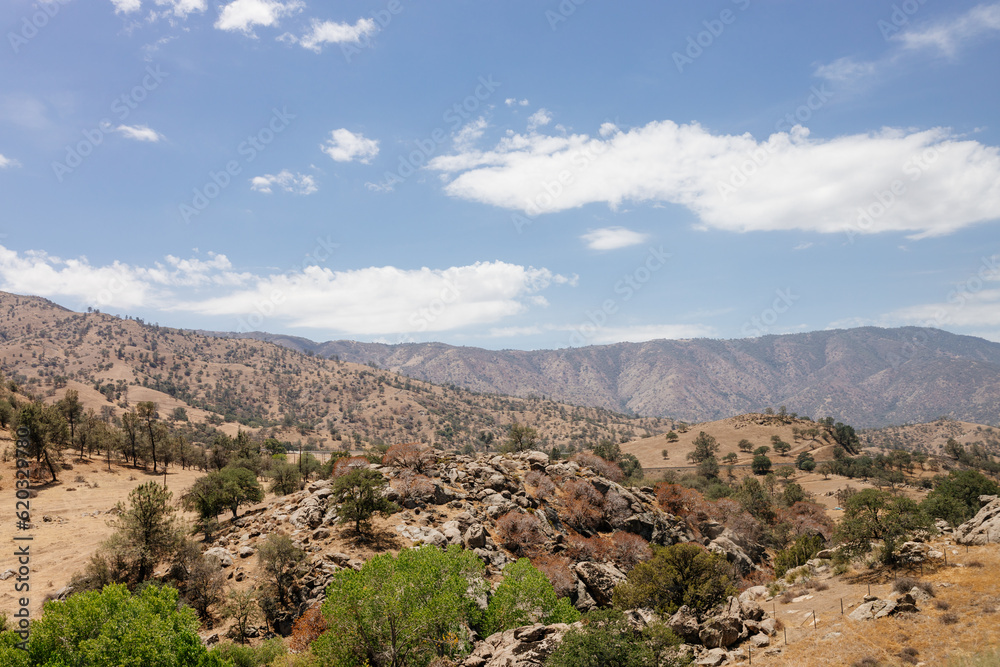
(963, 309)
(512, 101)
(470, 133)
(242, 15)
(374, 300)
(946, 36)
(612, 238)
(126, 6)
(300, 184)
(736, 183)
(539, 119)
(7, 162)
(175, 8)
(346, 146)
(804, 246)
(139, 133)
(117, 284)
(330, 32)
(844, 69)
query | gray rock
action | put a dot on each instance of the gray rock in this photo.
(475, 537)
(246, 552)
(713, 658)
(685, 624)
(527, 646)
(600, 579)
(984, 528)
(220, 555)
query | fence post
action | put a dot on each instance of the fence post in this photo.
(785, 632)
(841, 606)
(814, 619)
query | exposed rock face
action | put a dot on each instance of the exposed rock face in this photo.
(983, 528)
(875, 609)
(527, 646)
(685, 624)
(600, 580)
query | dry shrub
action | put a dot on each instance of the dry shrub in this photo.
(942, 605)
(346, 464)
(307, 628)
(544, 486)
(600, 466)
(411, 486)
(867, 661)
(909, 655)
(616, 509)
(807, 518)
(681, 501)
(521, 533)
(950, 618)
(905, 584)
(628, 550)
(758, 577)
(588, 548)
(556, 568)
(584, 505)
(974, 563)
(410, 455)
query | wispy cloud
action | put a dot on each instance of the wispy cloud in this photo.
(346, 146)
(139, 133)
(299, 184)
(946, 36)
(6, 162)
(613, 238)
(330, 32)
(540, 118)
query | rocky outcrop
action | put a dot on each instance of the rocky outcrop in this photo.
(871, 610)
(527, 646)
(600, 580)
(983, 528)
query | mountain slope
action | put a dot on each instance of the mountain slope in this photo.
(865, 376)
(114, 363)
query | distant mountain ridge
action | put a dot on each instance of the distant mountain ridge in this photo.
(867, 376)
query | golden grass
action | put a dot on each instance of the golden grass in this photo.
(973, 598)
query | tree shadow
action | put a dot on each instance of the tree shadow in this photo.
(379, 539)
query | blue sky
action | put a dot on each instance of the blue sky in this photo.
(525, 174)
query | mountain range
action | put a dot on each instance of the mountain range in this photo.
(865, 376)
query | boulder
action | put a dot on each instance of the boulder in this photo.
(713, 658)
(220, 555)
(475, 537)
(600, 579)
(527, 646)
(875, 609)
(246, 551)
(984, 528)
(685, 624)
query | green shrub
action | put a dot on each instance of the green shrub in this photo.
(681, 574)
(606, 640)
(525, 596)
(955, 498)
(247, 656)
(804, 548)
(405, 609)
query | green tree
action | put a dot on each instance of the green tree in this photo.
(285, 478)
(681, 574)
(112, 628)
(359, 493)
(845, 436)
(608, 450)
(672, 436)
(47, 432)
(705, 446)
(754, 499)
(745, 446)
(629, 463)
(709, 468)
(148, 528)
(237, 487)
(780, 445)
(520, 438)
(525, 596)
(804, 548)
(871, 515)
(761, 464)
(148, 416)
(955, 498)
(72, 411)
(402, 610)
(281, 561)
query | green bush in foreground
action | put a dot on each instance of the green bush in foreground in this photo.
(524, 597)
(681, 574)
(607, 640)
(112, 628)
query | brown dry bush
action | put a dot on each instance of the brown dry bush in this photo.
(346, 464)
(307, 628)
(411, 486)
(629, 550)
(556, 568)
(680, 501)
(544, 486)
(600, 466)
(410, 455)
(616, 509)
(588, 548)
(521, 533)
(584, 505)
